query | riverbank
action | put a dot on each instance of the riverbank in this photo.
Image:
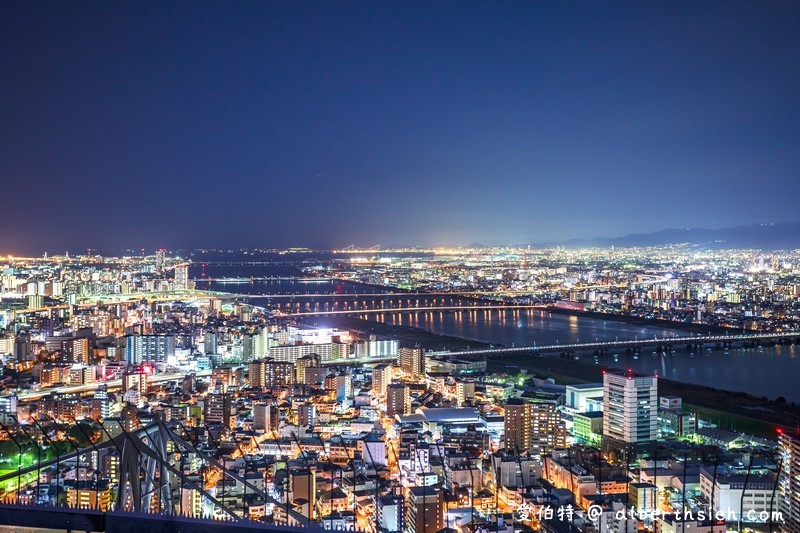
(406, 335)
(735, 411)
(688, 327)
(729, 410)
(638, 321)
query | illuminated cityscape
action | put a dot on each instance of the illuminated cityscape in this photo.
(400, 267)
(326, 399)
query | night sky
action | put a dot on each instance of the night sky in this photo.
(253, 123)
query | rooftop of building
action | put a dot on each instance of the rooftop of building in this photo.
(414, 418)
(585, 386)
(722, 435)
(423, 491)
(449, 414)
(753, 480)
(629, 373)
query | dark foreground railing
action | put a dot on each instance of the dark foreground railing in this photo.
(90, 520)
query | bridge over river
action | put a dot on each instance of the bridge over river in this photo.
(792, 337)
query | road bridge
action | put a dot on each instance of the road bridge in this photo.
(245, 279)
(633, 344)
(390, 292)
(394, 294)
(420, 309)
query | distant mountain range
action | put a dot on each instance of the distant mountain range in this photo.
(772, 236)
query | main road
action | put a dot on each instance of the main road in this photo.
(111, 384)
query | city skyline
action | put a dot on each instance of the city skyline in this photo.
(765, 236)
(400, 267)
(398, 391)
(303, 124)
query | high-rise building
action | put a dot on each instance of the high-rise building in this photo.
(391, 513)
(265, 417)
(533, 427)
(188, 384)
(182, 277)
(192, 498)
(412, 361)
(159, 261)
(149, 348)
(397, 399)
(94, 324)
(376, 348)
(789, 491)
(81, 351)
(35, 301)
(292, 352)
(8, 408)
(315, 375)
(381, 377)
(306, 414)
(222, 377)
(265, 373)
(249, 342)
(373, 450)
(517, 425)
(101, 401)
(52, 375)
(465, 391)
(57, 289)
(80, 375)
(218, 409)
(630, 406)
(7, 343)
(304, 362)
(341, 384)
(22, 347)
(424, 506)
(134, 381)
(548, 431)
(302, 490)
(210, 343)
(89, 495)
(59, 343)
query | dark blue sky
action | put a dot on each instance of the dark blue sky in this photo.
(251, 123)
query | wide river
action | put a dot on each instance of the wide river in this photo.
(768, 371)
